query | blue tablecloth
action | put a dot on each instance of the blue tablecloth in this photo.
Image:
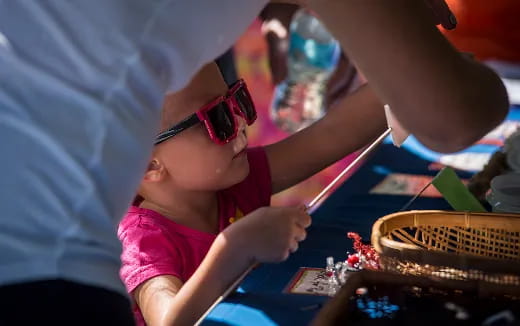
(260, 300)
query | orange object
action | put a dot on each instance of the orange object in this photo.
(488, 29)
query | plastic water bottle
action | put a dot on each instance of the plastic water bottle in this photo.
(313, 55)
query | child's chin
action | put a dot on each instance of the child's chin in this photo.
(241, 173)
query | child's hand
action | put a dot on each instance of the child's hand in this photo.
(269, 234)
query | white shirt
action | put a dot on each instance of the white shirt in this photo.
(81, 86)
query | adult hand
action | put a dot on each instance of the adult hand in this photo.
(269, 234)
(276, 21)
(442, 13)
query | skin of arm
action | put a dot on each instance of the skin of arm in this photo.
(446, 100)
(354, 122)
(269, 234)
(165, 300)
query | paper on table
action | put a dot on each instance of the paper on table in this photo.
(308, 280)
(405, 185)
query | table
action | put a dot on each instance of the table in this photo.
(260, 300)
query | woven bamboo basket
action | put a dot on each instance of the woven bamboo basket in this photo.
(451, 245)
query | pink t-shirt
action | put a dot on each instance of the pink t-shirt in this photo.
(154, 245)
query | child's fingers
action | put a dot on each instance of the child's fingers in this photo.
(294, 247)
(304, 220)
(300, 235)
(302, 207)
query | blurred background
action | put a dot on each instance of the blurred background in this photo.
(251, 57)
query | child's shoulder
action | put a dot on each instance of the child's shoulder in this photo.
(140, 218)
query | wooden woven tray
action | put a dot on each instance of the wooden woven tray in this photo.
(450, 245)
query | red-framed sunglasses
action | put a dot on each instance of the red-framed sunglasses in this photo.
(218, 116)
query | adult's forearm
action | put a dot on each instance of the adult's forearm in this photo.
(445, 100)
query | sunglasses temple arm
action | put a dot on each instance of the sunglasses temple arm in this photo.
(181, 126)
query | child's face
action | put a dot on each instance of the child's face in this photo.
(193, 161)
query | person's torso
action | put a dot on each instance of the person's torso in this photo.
(81, 88)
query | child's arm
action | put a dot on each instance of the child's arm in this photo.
(268, 234)
(155, 296)
(445, 100)
(353, 123)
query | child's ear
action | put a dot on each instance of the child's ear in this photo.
(154, 172)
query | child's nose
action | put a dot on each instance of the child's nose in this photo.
(241, 123)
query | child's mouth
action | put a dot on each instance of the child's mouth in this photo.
(240, 153)
(240, 144)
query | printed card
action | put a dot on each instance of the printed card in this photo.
(406, 185)
(307, 280)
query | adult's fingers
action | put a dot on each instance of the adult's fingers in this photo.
(276, 19)
(442, 13)
(277, 55)
(341, 81)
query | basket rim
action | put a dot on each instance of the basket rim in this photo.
(409, 252)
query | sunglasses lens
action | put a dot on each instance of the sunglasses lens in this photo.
(246, 105)
(222, 121)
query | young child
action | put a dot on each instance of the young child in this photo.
(202, 216)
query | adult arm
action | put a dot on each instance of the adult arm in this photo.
(351, 124)
(445, 100)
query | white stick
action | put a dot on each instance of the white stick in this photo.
(239, 280)
(361, 156)
(226, 293)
